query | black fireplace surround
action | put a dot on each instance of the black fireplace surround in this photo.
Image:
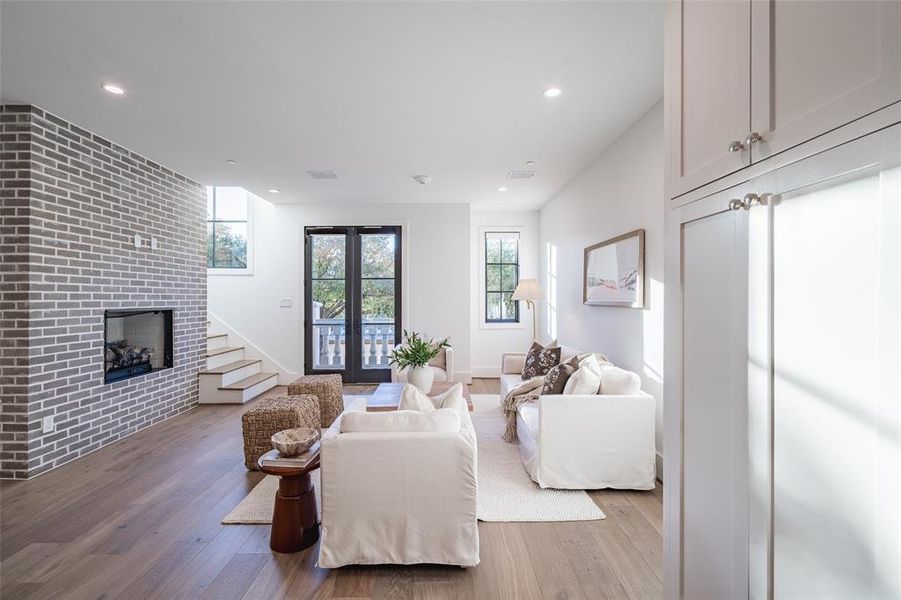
(136, 342)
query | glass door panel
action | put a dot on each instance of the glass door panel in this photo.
(378, 291)
(327, 282)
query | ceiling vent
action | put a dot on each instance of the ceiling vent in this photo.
(326, 174)
(422, 179)
(521, 174)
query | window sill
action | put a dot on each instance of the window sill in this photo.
(502, 325)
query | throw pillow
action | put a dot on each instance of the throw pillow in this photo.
(445, 419)
(540, 360)
(619, 382)
(411, 398)
(449, 399)
(556, 378)
(587, 379)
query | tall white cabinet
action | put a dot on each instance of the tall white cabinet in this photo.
(782, 435)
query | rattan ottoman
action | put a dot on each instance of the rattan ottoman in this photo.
(328, 388)
(271, 416)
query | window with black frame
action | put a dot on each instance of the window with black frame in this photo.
(501, 276)
(227, 228)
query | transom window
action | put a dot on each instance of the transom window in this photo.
(501, 276)
(227, 227)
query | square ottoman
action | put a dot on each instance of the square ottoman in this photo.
(271, 416)
(329, 390)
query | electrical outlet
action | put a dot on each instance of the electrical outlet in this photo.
(138, 240)
(47, 425)
(286, 303)
(154, 245)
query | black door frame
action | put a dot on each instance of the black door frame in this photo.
(353, 371)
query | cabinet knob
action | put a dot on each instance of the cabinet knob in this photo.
(736, 146)
(750, 200)
(753, 138)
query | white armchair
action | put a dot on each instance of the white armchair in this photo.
(585, 441)
(442, 366)
(399, 497)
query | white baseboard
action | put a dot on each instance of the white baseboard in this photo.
(659, 467)
(493, 372)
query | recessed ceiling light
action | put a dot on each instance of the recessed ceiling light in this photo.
(530, 162)
(231, 161)
(552, 92)
(274, 190)
(112, 88)
(502, 189)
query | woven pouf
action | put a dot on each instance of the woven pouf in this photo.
(271, 416)
(328, 388)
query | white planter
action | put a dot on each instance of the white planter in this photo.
(421, 377)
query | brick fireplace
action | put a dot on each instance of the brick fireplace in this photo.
(89, 227)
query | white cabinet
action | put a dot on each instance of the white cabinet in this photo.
(709, 67)
(784, 382)
(760, 76)
(714, 454)
(818, 65)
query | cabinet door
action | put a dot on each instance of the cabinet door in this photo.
(708, 84)
(831, 470)
(818, 65)
(714, 408)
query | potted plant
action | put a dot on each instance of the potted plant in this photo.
(414, 355)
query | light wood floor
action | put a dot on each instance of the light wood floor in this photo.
(140, 519)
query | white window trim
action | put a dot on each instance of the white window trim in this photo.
(248, 270)
(480, 242)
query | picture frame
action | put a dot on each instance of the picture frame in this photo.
(613, 272)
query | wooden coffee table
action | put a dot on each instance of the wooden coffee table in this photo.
(295, 520)
(387, 395)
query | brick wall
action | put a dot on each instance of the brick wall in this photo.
(87, 197)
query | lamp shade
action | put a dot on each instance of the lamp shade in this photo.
(527, 289)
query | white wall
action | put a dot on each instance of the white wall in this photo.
(620, 191)
(436, 282)
(489, 341)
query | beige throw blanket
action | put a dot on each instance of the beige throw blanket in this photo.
(527, 391)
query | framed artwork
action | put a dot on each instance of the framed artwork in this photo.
(613, 273)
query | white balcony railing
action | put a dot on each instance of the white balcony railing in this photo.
(329, 343)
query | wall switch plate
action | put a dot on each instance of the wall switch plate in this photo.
(138, 240)
(286, 303)
(47, 425)
(154, 245)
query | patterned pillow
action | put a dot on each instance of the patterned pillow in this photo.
(556, 378)
(540, 360)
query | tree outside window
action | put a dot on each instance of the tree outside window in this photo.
(501, 276)
(227, 225)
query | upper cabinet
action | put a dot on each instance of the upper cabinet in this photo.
(708, 62)
(747, 79)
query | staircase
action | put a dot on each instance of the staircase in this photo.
(230, 378)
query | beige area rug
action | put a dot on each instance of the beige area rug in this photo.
(506, 492)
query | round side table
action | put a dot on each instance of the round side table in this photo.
(295, 520)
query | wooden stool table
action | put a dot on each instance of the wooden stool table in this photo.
(295, 520)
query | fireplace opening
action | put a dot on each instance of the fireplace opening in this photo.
(136, 342)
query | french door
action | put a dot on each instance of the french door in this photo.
(352, 300)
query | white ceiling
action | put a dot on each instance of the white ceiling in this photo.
(376, 91)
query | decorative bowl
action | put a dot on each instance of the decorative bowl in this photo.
(293, 442)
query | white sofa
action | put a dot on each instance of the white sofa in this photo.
(584, 442)
(442, 366)
(399, 497)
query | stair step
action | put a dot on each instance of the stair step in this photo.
(210, 336)
(249, 381)
(232, 366)
(222, 350)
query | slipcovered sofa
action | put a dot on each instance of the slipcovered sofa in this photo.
(585, 441)
(399, 497)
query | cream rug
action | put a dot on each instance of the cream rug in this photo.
(506, 492)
